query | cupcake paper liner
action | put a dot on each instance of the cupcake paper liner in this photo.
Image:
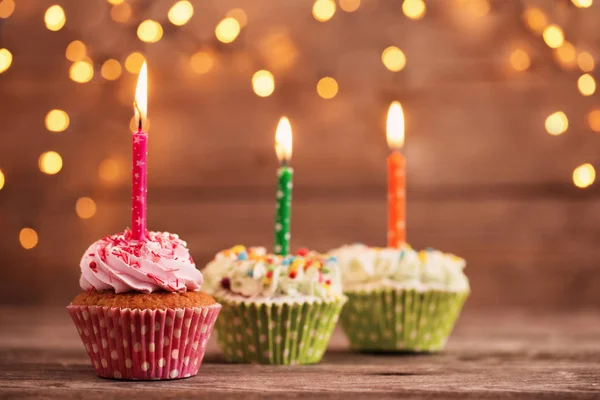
(399, 320)
(276, 333)
(145, 344)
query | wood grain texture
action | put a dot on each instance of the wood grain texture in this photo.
(497, 355)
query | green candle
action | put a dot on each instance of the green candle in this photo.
(283, 213)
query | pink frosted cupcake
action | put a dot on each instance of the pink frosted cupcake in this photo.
(142, 315)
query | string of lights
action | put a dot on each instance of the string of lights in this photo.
(83, 67)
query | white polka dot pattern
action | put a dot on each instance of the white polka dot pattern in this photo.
(145, 344)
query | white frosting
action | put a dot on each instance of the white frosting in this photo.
(365, 268)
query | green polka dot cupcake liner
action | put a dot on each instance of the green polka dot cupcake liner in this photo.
(276, 333)
(398, 320)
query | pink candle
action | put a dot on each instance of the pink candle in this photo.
(139, 171)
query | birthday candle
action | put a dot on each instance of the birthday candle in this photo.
(139, 178)
(396, 177)
(283, 148)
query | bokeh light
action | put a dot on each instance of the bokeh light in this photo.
(554, 36)
(133, 62)
(327, 87)
(349, 5)
(323, 10)
(227, 30)
(150, 31)
(593, 120)
(586, 85)
(239, 15)
(111, 69)
(202, 62)
(557, 123)
(535, 19)
(121, 12)
(582, 3)
(57, 120)
(85, 207)
(584, 175)
(55, 18)
(181, 12)
(586, 61)
(76, 51)
(50, 162)
(414, 9)
(7, 7)
(566, 55)
(115, 1)
(393, 58)
(5, 60)
(81, 72)
(28, 238)
(477, 8)
(2, 179)
(519, 60)
(263, 83)
(109, 170)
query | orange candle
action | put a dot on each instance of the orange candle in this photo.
(396, 163)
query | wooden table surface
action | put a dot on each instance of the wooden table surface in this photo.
(491, 355)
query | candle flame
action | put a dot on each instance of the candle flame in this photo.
(395, 126)
(283, 140)
(141, 97)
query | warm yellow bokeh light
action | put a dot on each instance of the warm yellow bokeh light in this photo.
(28, 238)
(115, 1)
(593, 120)
(414, 9)
(109, 170)
(586, 61)
(519, 60)
(57, 120)
(557, 123)
(582, 3)
(586, 85)
(554, 36)
(566, 55)
(584, 175)
(349, 5)
(2, 179)
(227, 30)
(50, 162)
(5, 60)
(81, 72)
(239, 15)
(85, 207)
(120, 12)
(111, 69)
(202, 62)
(181, 12)
(323, 10)
(535, 19)
(133, 62)
(478, 8)
(263, 83)
(6, 8)
(327, 87)
(393, 58)
(55, 18)
(150, 31)
(76, 51)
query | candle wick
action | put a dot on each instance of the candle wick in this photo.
(139, 113)
(284, 162)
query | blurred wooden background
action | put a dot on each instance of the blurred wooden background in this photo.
(486, 181)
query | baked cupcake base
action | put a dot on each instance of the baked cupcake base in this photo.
(401, 320)
(276, 332)
(156, 343)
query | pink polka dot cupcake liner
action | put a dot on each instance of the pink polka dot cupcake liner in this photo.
(145, 344)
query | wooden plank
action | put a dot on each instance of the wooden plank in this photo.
(501, 355)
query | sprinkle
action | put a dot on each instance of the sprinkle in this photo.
(302, 251)
(94, 266)
(292, 274)
(251, 273)
(91, 290)
(328, 282)
(269, 274)
(242, 256)
(238, 248)
(226, 283)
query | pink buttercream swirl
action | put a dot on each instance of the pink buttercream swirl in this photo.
(159, 262)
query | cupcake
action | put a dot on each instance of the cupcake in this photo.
(142, 315)
(276, 309)
(400, 300)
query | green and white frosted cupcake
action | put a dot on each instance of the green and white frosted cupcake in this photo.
(276, 309)
(400, 300)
